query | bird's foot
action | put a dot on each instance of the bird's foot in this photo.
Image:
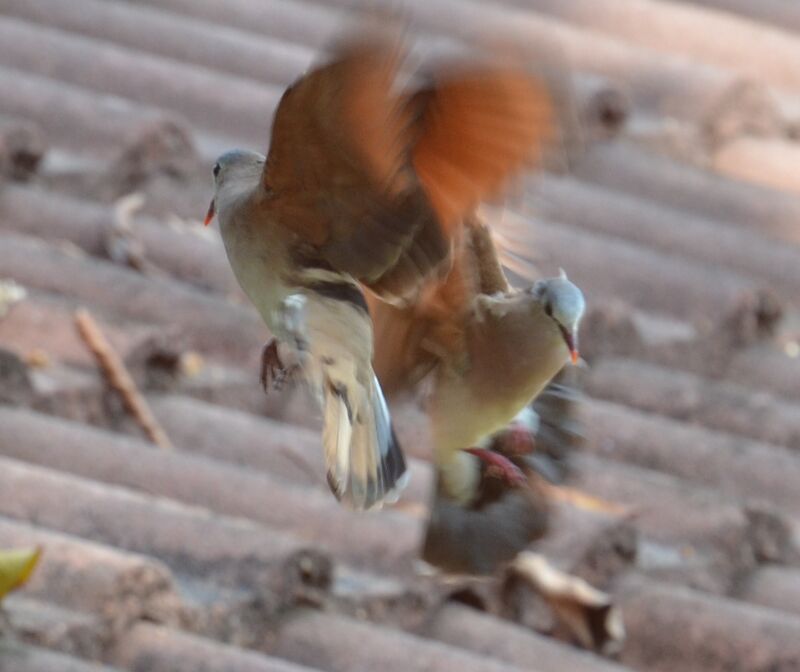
(499, 465)
(273, 372)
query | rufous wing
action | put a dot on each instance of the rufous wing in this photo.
(478, 127)
(375, 182)
(338, 172)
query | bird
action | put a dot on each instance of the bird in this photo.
(364, 191)
(483, 351)
(505, 515)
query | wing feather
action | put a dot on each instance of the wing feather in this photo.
(378, 181)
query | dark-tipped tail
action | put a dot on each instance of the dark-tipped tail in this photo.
(366, 467)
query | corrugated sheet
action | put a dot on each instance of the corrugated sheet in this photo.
(679, 213)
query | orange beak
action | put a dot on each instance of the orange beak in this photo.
(210, 214)
(572, 345)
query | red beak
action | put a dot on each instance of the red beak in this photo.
(210, 214)
(572, 345)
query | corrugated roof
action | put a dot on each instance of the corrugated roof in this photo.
(678, 213)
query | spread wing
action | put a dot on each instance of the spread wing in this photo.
(479, 125)
(375, 182)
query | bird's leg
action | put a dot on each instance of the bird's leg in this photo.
(273, 370)
(499, 465)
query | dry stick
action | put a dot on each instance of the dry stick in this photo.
(119, 378)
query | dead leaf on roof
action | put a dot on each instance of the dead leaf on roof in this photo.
(16, 567)
(590, 615)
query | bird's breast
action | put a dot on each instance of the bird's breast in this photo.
(510, 362)
(259, 258)
(513, 364)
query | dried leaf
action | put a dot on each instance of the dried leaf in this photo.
(16, 567)
(589, 614)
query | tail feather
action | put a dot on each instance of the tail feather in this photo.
(337, 433)
(364, 461)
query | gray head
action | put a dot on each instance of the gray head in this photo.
(562, 302)
(235, 173)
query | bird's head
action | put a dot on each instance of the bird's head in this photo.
(562, 302)
(236, 173)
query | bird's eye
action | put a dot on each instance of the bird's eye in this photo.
(215, 169)
(548, 309)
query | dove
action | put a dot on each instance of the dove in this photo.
(508, 510)
(485, 351)
(365, 187)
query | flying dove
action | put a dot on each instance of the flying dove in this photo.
(486, 351)
(365, 185)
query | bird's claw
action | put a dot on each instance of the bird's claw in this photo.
(273, 372)
(499, 465)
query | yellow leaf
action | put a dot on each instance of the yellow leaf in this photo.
(16, 567)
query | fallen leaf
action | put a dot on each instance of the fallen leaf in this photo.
(590, 615)
(16, 567)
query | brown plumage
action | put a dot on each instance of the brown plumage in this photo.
(412, 340)
(375, 180)
(366, 183)
(488, 350)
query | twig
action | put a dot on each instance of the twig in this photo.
(119, 378)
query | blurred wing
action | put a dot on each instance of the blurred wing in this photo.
(340, 176)
(515, 239)
(379, 184)
(479, 126)
(559, 432)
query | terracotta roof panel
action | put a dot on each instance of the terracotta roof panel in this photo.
(181, 559)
